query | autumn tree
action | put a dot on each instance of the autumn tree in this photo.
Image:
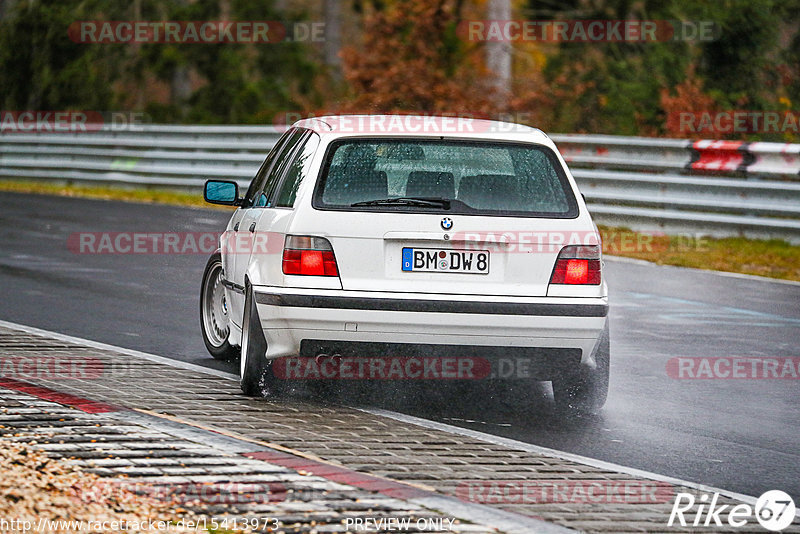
(688, 97)
(412, 60)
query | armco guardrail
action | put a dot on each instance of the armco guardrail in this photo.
(609, 151)
(673, 185)
(714, 187)
(152, 155)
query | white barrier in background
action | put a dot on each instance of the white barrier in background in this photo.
(672, 185)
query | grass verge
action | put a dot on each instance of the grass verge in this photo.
(156, 196)
(770, 258)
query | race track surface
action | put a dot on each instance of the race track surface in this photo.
(742, 435)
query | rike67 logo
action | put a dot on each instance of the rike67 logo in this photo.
(774, 511)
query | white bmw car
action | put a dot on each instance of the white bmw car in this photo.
(364, 237)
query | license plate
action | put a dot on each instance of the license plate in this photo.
(436, 260)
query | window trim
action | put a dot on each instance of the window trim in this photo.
(573, 212)
(268, 162)
(290, 155)
(282, 181)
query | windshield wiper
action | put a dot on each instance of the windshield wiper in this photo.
(420, 202)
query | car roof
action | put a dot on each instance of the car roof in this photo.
(434, 126)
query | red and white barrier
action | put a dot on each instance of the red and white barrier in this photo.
(774, 158)
(703, 156)
(718, 156)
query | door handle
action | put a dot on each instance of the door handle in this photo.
(253, 227)
(236, 227)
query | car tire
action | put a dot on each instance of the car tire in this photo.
(255, 373)
(214, 320)
(585, 391)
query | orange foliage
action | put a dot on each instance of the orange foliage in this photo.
(411, 61)
(689, 98)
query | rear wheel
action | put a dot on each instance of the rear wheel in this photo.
(214, 312)
(585, 390)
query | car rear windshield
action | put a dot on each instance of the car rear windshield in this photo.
(465, 177)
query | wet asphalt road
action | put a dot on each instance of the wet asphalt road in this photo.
(741, 435)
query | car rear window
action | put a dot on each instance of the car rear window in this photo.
(491, 178)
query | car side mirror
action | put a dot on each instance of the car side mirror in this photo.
(223, 192)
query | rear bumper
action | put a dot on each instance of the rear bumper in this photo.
(365, 319)
(436, 304)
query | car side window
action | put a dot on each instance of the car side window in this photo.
(264, 193)
(298, 170)
(257, 184)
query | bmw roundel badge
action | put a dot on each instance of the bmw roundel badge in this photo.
(447, 223)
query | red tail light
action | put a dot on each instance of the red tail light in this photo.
(577, 265)
(309, 256)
